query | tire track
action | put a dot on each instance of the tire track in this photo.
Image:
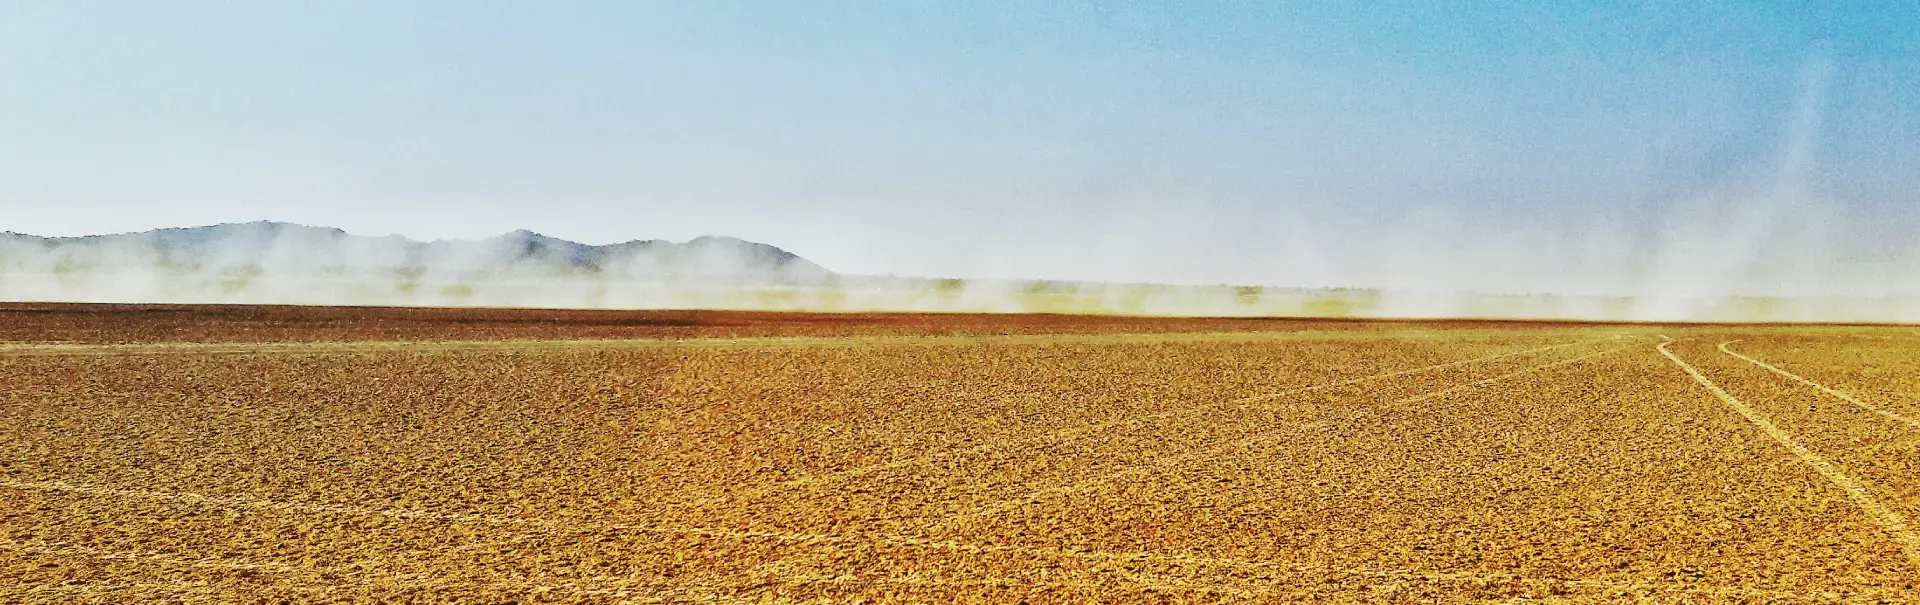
(304, 578)
(664, 588)
(1134, 421)
(1883, 412)
(1890, 521)
(1003, 506)
(65, 549)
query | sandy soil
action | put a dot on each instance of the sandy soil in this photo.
(289, 453)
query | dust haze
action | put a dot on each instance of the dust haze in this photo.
(1769, 247)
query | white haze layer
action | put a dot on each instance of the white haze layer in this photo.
(1772, 248)
(1742, 268)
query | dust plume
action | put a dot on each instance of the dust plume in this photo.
(1768, 246)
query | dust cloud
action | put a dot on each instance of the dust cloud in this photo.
(1767, 248)
(292, 267)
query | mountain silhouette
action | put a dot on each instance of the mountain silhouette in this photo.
(266, 247)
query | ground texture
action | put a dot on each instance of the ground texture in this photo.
(302, 454)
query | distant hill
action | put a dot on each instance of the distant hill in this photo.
(286, 249)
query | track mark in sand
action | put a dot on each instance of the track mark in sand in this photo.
(1487, 381)
(407, 580)
(68, 550)
(1892, 522)
(1395, 374)
(295, 577)
(774, 573)
(1063, 434)
(1888, 414)
(1003, 506)
(256, 503)
(127, 590)
(1141, 582)
(63, 549)
(663, 590)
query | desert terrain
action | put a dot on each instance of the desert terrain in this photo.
(215, 454)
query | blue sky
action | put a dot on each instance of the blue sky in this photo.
(1187, 142)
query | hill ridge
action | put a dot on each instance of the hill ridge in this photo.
(274, 246)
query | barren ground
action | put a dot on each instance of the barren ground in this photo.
(286, 453)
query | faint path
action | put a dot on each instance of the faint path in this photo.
(1132, 421)
(1891, 521)
(1890, 415)
(303, 578)
(64, 549)
(673, 590)
(1004, 506)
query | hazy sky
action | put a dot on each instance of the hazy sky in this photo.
(1252, 142)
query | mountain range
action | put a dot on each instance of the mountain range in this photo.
(292, 249)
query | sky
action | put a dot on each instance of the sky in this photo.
(1559, 144)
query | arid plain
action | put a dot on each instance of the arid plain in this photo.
(159, 453)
